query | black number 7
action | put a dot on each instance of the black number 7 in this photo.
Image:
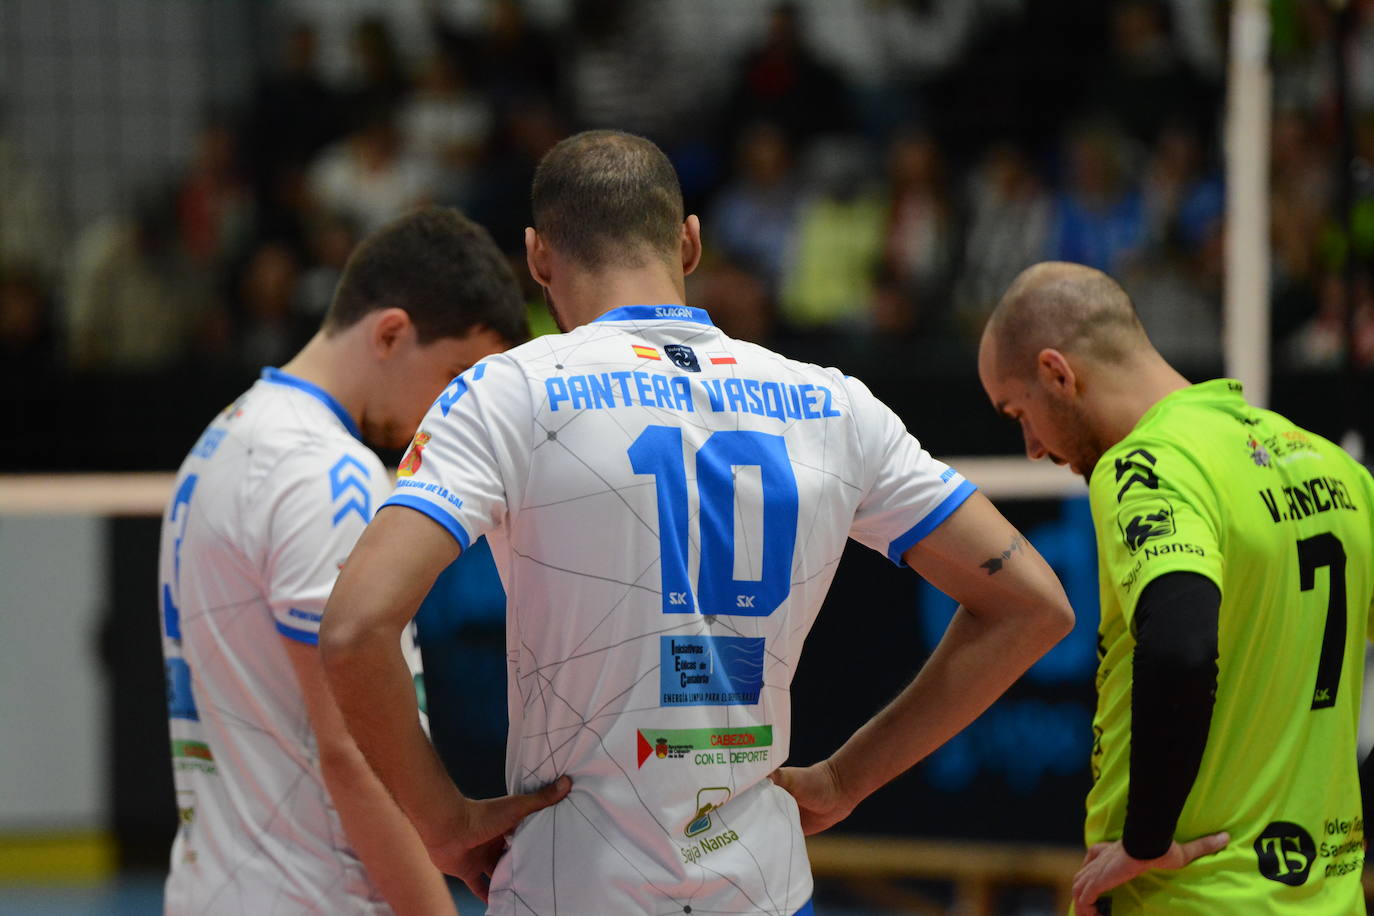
(1314, 553)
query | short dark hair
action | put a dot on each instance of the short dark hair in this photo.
(604, 197)
(442, 269)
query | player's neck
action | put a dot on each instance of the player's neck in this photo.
(329, 363)
(1132, 392)
(584, 296)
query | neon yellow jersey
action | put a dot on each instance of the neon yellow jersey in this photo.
(1280, 520)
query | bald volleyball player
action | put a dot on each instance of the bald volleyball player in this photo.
(1233, 550)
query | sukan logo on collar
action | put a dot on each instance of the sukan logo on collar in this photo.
(683, 357)
(1152, 519)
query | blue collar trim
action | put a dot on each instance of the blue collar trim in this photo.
(658, 313)
(278, 377)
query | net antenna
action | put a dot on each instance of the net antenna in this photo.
(1248, 111)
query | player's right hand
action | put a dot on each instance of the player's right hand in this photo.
(478, 837)
(1108, 866)
(817, 791)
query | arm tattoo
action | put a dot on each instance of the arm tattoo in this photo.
(994, 564)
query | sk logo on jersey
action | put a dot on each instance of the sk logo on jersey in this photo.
(1155, 519)
(414, 456)
(683, 357)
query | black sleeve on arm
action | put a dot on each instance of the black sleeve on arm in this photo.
(1172, 692)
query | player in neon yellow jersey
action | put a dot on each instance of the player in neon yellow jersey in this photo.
(1236, 586)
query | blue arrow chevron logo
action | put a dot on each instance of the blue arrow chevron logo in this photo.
(342, 479)
(457, 388)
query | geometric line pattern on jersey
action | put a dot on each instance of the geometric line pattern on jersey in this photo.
(762, 874)
(540, 680)
(609, 489)
(545, 692)
(791, 847)
(342, 480)
(615, 760)
(230, 878)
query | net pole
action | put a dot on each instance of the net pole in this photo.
(1246, 306)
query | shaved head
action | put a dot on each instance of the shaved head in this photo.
(1074, 309)
(1050, 359)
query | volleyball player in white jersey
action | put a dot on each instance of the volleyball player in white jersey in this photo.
(279, 812)
(667, 507)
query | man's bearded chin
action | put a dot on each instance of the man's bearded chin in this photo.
(553, 309)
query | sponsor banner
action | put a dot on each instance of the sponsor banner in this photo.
(1153, 518)
(192, 756)
(708, 800)
(195, 749)
(710, 670)
(702, 745)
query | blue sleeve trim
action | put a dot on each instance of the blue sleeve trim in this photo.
(309, 637)
(928, 524)
(425, 507)
(806, 910)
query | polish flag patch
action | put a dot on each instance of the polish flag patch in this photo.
(721, 359)
(646, 352)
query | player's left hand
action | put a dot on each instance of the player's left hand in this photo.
(1107, 865)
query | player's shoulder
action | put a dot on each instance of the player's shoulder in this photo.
(288, 434)
(1296, 439)
(1150, 456)
(527, 361)
(752, 357)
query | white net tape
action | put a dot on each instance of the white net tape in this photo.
(146, 493)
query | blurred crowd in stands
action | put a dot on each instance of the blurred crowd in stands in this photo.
(889, 191)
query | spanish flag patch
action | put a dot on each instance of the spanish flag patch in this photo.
(646, 352)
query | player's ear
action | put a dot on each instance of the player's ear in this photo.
(537, 257)
(690, 243)
(390, 328)
(1054, 373)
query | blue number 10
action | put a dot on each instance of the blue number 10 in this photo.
(658, 451)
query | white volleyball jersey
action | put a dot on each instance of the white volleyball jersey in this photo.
(667, 507)
(266, 508)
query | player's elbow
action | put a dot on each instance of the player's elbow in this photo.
(341, 762)
(341, 639)
(1053, 616)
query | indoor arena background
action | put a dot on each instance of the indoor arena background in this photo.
(181, 181)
